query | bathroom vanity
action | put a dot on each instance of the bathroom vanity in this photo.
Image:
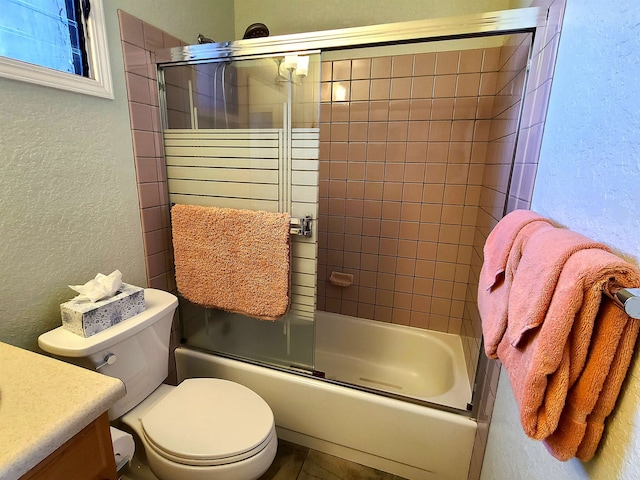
(53, 420)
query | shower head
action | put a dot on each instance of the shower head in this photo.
(203, 39)
(256, 30)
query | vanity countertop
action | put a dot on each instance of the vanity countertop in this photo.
(43, 403)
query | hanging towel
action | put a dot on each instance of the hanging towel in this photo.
(495, 279)
(234, 260)
(566, 348)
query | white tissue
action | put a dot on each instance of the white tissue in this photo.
(103, 286)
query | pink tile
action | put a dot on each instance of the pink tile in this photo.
(146, 170)
(340, 112)
(447, 62)
(470, 61)
(402, 66)
(468, 85)
(491, 60)
(153, 37)
(358, 131)
(416, 152)
(141, 116)
(444, 86)
(358, 111)
(143, 144)
(361, 68)
(440, 131)
(136, 59)
(131, 29)
(339, 132)
(154, 242)
(148, 195)
(381, 67)
(151, 219)
(465, 108)
(418, 131)
(424, 64)
(396, 152)
(420, 109)
(379, 111)
(156, 265)
(360, 90)
(422, 87)
(377, 132)
(340, 91)
(380, 89)
(342, 70)
(326, 71)
(401, 88)
(397, 131)
(138, 88)
(442, 109)
(462, 130)
(399, 110)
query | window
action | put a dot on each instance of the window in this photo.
(57, 43)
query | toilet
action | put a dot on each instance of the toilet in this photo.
(205, 428)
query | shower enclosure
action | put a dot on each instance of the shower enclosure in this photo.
(397, 142)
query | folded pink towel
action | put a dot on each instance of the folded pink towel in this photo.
(234, 260)
(566, 348)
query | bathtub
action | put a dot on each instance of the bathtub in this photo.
(404, 438)
(421, 364)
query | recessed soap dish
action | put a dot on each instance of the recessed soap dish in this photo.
(340, 279)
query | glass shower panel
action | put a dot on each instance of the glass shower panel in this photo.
(244, 134)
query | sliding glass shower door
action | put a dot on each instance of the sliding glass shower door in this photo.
(243, 134)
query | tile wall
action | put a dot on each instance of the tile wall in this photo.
(139, 41)
(403, 141)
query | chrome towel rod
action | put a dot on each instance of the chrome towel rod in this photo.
(627, 299)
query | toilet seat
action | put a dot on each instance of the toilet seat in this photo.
(208, 422)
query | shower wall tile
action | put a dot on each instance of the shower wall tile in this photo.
(139, 40)
(401, 148)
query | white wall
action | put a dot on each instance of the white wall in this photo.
(288, 16)
(589, 180)
(67, 180)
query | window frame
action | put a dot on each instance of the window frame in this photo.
(99, 83)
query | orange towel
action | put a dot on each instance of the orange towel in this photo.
(565, 349)
(234, 260)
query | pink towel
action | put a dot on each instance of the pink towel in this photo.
(565, 370)
(234, 260)
(495, 279)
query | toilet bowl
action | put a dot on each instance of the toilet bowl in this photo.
(175, 425)
(204, 428)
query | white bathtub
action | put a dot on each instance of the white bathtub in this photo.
(422, 364)
(406, 439)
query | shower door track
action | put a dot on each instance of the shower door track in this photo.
(449, 28)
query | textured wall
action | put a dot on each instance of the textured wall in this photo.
(288, 16)
(587, 179)
(67, 180)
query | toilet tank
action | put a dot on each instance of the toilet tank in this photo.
(138, 349)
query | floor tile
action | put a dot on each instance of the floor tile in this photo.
(288, 462)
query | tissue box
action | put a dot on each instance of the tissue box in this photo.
(88, 318)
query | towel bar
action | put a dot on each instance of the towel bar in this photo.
(301, 226)
(627, 299)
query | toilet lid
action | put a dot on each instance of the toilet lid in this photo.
(209, 421)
